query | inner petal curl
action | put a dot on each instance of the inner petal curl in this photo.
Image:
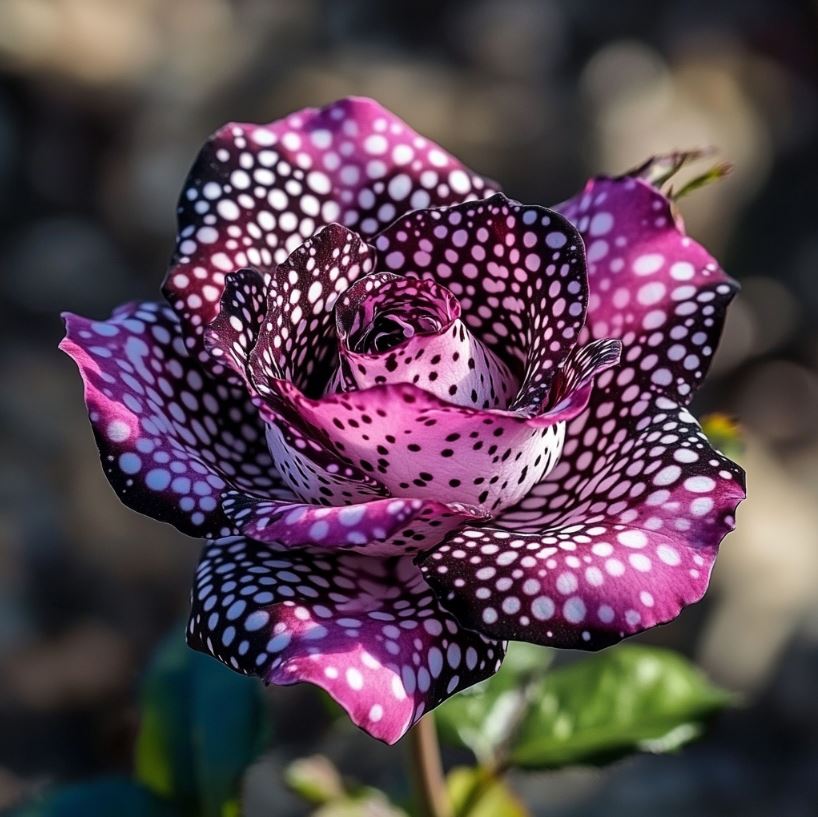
(393, 329)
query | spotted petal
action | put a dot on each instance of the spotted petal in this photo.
(170, 440)
(651, 285)
(256, 192)
(381, 527)
(368, 631)
(518, 272)
(619, 538)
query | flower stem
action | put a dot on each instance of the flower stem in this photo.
(430, 783)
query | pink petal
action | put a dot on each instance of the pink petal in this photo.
(518, 272)
(256, 191)
(381, 527)
(650, 284)
(298, 340)
(170, 440)
(446, 359)
(619, 538)
(368, 631)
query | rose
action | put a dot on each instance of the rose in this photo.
(412, 437)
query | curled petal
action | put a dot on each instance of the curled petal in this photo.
(255, 192)
(593, 557)
(517, 270)
(368, 631)
(421, 447)
(405, 330)
(381, 527)
(170, 439)
(651, 285)
(232, 334)
(298, 341)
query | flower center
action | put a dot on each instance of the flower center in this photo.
(393, 329)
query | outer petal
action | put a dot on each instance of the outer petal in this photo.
(298, 340)
(256, 191)
(381, 527)
(170, 440)
(620, 540)
(368, 631)
(518, 272)
(651, 285)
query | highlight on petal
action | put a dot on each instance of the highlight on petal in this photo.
(408, 330)
(368, 631)
(170, 440)
(380, 527)
(651, 285)
(256, 192)
(517, 270)
(620, 540)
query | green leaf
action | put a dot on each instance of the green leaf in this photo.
(101, 798)
(201, 726)
(474, 792)
(630, 698)
(315, 780)
(724, 433)
(483, 717)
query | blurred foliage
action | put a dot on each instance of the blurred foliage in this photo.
(201, 727)
(112, 797)
(624, 700)
(478, 793)
(724, 433)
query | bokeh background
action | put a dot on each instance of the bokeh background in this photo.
(103, 106)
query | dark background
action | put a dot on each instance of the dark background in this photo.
(103, 105)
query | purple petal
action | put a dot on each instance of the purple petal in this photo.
(417, 322)
(298, 340)
(518, 272)
(232, 334)
(368, 631)
(381, 527)
(651, 285)
(619, 538)
(170, 440)
(256, 191)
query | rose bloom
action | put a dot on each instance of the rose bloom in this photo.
(453, 421)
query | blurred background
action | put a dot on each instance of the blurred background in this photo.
(103, 106)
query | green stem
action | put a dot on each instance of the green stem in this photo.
(430, 783)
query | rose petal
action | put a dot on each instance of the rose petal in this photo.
(368, 631)
(449, 362)
(651, 285)
(312, 472)
(256, 191)
(298, 340)
(170, 440)
(518, 272)
(381, 527)
(232, 334)
(421, 447)
(621, 540)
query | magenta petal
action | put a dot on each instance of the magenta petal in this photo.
(518, 272)
(255, 192)
(404, 330)
(651, 285)
(621, 539)
(368, 631)
(381, 527)
(170, 440)
(298, 341)
(232, 334)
